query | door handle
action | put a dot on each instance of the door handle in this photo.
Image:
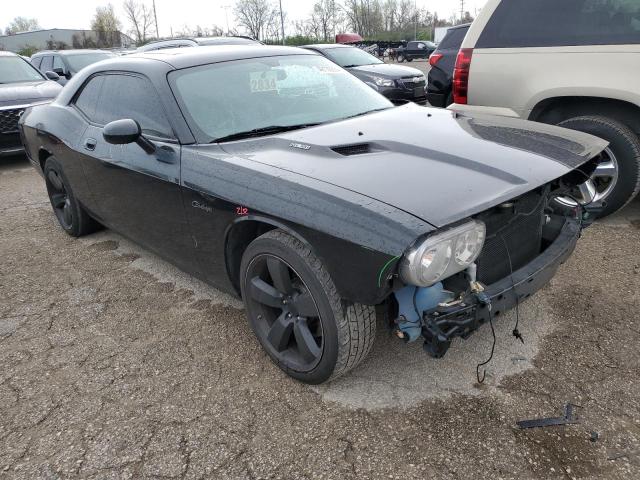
(90, 144)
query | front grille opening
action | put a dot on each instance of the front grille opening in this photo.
(358, 149)
(9, 120)
(515, 231)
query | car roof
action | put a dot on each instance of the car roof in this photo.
(327, 46)
(191, 57)
(222, 40)
(68, 52)
(8, 54)
(456, 27)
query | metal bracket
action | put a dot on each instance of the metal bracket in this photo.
(568, 419)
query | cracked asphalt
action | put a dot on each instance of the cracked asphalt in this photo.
(113, 364)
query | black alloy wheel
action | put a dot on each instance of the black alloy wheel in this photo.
(60, 199)
(70, 214)
(287, 320)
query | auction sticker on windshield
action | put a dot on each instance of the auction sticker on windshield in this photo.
(263, 81)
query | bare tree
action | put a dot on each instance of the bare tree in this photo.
(323, 18)
(255, 16)
(21, 24)
(140, 16)
(107, 25)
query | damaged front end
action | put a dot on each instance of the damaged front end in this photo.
(451, 283)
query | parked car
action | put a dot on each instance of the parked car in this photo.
(573, 64)
(443, 61)
(21, 85)
(198, 42)
(398, 83)
(295, 186)
(414, 50)
(67, 63)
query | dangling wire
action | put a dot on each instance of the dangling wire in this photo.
(516, 333)
(493, 347)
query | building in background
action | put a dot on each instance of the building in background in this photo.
(61, 39)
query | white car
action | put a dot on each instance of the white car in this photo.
(573, 63)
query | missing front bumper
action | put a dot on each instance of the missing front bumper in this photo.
(441, 325)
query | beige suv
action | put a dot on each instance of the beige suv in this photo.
(573, 63)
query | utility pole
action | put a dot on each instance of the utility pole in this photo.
(226, 16)
(461, 10)
(282, 22)
(155, 16)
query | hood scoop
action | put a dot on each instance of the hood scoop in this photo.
(357, 149)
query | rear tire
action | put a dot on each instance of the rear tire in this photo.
(286, 288)
(624, 145)
(400, 58)
(71, 216)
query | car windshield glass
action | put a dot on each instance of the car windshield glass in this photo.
(78, 62)
(350, 57)
(16, 69)
(229, 98)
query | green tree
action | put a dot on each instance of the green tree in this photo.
(107, 26)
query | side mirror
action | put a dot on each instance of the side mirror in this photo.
(125, 131)
(60, 71)
(52, 75)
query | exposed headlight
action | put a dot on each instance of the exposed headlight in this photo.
(444, 254)
(383, 82)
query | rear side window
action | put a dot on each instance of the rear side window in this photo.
(129, 96)
(87, 100)
(453, 39)
(548, 23)
(47, 63)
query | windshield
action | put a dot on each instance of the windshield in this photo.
(350, 57)
(78, 62)
(17, 69)
(229, 98)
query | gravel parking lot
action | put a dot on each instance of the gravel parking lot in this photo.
(114, 364)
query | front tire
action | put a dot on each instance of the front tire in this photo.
(296, 313)
(617, 178)
(71, 216)
(400, 58)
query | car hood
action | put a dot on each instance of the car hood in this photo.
(27, 92)
(386, 70)
(435, 164)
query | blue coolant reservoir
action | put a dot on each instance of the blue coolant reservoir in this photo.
(409, 314)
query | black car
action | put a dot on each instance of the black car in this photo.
(398, 83)
(197, 42)
(415, 50)
(295, 186)
(21, 85)
(66, 63)
(443, 61)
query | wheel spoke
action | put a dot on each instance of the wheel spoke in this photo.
(58, 200)
(280, 275)
(606, 170)
(307, 345)
(264, 293)
(305, 305)
(66, 212)
(280, 333)
(588, 192)
(55, 180)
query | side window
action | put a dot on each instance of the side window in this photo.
(547, 23)
(47, 63)
(87, 100)
(36, 62)
(421, 46)
(129, 96)
(57, 63)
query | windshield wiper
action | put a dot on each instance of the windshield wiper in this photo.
(259, 132)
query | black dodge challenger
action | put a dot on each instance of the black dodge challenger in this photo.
(273, 174)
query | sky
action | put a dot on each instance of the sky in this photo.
(172, 13)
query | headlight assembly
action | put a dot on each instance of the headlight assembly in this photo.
(443, 254)
(383, 82)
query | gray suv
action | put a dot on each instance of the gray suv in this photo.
(66, 63)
